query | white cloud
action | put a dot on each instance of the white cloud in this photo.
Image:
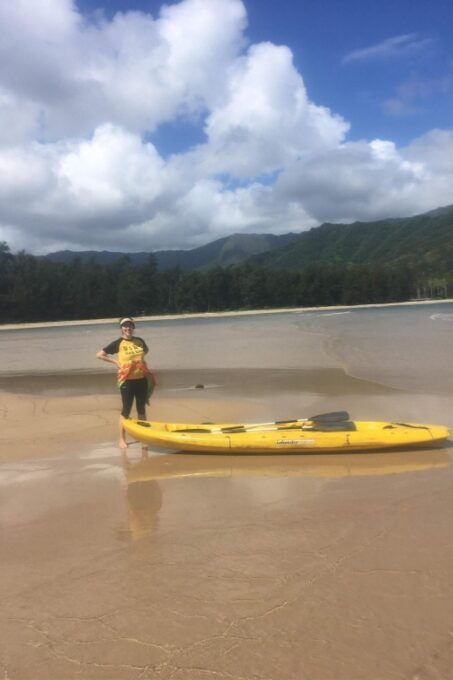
(94, 178)
(82, 191)
(406, 45)
(80, 101)
(372, 180)
(266, 118)
(134, 70)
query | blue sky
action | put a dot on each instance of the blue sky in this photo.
(130, 126)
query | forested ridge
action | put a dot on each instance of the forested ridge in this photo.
(423, 242)
(386, 261)
(222, 252)
(36, 289)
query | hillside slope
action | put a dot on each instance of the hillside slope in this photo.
(423, 240)
(222, 252)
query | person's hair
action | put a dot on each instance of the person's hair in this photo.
(125, 319)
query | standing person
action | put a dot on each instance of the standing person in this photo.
(135, 380)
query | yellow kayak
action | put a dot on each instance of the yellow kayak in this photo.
(326, 432)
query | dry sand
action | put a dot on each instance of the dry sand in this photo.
(182, 566)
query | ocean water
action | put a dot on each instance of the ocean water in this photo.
(407, 346)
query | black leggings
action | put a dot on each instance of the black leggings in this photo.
(131, 389)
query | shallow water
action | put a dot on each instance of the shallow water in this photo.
(408, 347)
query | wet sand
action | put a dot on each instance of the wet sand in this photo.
(183, 566)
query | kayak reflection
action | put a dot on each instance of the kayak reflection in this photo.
(144, 477)
(177, 466)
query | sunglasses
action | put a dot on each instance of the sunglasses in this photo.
(127, 325)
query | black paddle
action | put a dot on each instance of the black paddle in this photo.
(333, 417)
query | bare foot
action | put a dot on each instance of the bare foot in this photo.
(122, 444)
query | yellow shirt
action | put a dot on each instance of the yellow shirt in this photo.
(129, 351)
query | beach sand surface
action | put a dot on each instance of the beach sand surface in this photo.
(173, 565)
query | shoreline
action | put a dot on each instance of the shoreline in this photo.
(61, 421)
(204, 315)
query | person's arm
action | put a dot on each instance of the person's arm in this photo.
(107, 353)
(103, 356)
(145, 347)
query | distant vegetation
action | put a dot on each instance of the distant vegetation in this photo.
(423, 242)
(386, 261)
(222, 252)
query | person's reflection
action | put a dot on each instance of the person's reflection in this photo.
(125, 460)
(144, 500)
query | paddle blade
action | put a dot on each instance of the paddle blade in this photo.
(333, 417)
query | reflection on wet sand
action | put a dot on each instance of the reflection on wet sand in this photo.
(144, 499)
(144, 494)
(177, 465)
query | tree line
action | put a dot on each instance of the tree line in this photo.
(36, 289)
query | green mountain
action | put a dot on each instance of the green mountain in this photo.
(425, 241)
(222, 252)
